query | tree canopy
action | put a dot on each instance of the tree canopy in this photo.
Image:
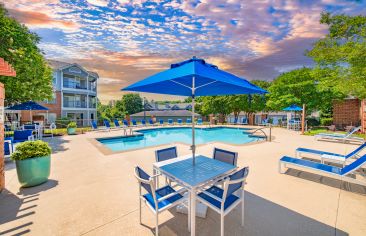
(132, 103)
(341, 55)
(18, 46)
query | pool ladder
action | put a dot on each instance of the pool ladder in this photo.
(268, 137)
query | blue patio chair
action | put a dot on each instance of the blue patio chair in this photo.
(170, 122)
(224, 200)
(23, 135)
(94, 125)
(134, 123)
(157, 200)
(107, 125)
(29, 126)
(125, 123)
(330, 156)
(188, 121)
(163, 155)
(151, 122)
(179, 121)
(322, 169)
(161, 122)
(8, 147)
(143, 122)
(244, 121)
(225, 156)
(116, 124)
(235, 121)
(199, 122)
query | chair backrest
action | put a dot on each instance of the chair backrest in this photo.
(22, 135)
(143, 122)
(179, 121)
(199, 121)
(170, 121)
(151, 122)
(134, 122)
(8, 145)
(161, 121)
(106, 123)
(356, 151)
(188, 121)
(236, 120)
(235, 182)
(225, 156)
(166, 154)
(245, 120)
(353, 131)
(94, 124)
(30, 126)
(354, 165)
(144, 180)
(116, 123)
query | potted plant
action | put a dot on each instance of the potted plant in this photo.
(71, 128)
(33, 162)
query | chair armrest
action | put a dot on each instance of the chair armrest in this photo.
(180, 191)
(31, 138)
(212, 196)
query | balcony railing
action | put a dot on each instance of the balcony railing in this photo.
(75, 104)
(74, 85)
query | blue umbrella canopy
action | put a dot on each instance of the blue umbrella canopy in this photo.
(27, 106)
(195, 77)
(293, 107)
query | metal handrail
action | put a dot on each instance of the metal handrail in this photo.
(262, 130)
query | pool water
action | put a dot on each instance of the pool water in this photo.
(154, 137)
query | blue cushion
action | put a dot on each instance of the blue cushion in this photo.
(312, 164)
(161, 192)
(230, 199)
(317, 152)
(354, 165)
(7, 146)
(116, 123)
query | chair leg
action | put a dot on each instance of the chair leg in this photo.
(242, 210)
(157, 225)
(222, 224)
(189, 214)
(140, 210)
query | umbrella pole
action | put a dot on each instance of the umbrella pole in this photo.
(193, 147)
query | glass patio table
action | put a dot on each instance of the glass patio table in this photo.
(192, 177)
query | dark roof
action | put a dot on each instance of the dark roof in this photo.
(57, 65)
(178, 113)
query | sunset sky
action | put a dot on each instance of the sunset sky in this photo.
(126, 41)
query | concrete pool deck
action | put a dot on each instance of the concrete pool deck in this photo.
(90, 193)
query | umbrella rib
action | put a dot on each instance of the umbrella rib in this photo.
(181, 84)
(203, 85)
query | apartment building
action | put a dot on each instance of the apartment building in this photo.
(75, 94)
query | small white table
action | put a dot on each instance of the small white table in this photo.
(205, 171)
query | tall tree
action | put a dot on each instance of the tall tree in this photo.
(18, 46)
(298, 87)
(341, 55)
(132, 103)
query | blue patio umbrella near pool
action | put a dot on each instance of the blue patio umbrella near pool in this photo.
(293, 107)
(194, 77)
(28, 106)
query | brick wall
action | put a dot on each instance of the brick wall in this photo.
(2, 164)
(346, 112)
(53, 108)
(363, 115)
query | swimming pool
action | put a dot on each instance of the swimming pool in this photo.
(159, 136)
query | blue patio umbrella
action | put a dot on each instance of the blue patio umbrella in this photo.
(293, 107)
(195, 77)
(28, 106)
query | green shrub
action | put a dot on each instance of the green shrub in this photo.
(72, 125)
(62, 122)
(31, 149)
(326, 121)
(313, 122)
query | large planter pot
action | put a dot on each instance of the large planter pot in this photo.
(33, 171)
(71, 131)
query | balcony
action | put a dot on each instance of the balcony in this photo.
(75, 104)
(74, 85)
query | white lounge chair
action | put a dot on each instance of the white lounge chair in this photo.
(348, 137)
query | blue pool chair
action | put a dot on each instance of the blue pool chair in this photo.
(161, 121)
(116, 124)
(157, 200)
(94, 125)
(225, 156)
(199, 122)
(330, 156)
(322, 169)
(163, 155)
(151, 122)
(235, 121)
(244, 121)
(134, 123)
(23, 135)
(179, 121)
(224, 200)
(143, 122)
(29, 126)
(188, 121)
(170, 121)
(8, 147)
(107, 125)
(125, 123)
